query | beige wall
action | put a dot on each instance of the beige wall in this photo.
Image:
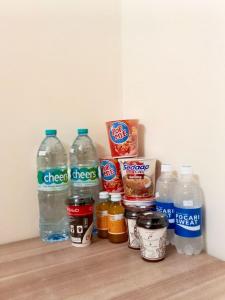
(173, 79)
(60, 68)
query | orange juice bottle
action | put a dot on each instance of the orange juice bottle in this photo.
(102, 208)
(117, 230)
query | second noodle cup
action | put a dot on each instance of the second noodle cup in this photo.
(111, 175)
(138, 175)
(123, 137)
(151, 230)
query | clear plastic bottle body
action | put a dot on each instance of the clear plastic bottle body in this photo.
(51, 157)
(188, 196)
(84, 169)
(165, 202)
(83, 155)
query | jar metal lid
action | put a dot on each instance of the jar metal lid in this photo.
(133, 212)
(152, 220)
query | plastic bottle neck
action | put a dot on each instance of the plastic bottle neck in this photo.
(186, 177)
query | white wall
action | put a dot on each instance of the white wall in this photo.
(59, 68)
(173, 56)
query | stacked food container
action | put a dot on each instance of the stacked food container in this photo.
(128, 174)
(124, 172)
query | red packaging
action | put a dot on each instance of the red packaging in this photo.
(111, 175)
(123, 137)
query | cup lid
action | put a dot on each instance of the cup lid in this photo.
(79, 200)
(133, 212)
(152, 220)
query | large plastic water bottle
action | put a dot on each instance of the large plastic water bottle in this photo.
(52, 188)
(164, 198)
(84, 166)
(188, 214)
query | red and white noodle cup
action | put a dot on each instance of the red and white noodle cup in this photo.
(111, 175)
(123, 137)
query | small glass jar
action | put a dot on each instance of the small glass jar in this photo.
(131, 214)
(152, 230)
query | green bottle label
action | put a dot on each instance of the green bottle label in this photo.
(52, 179)
(84, 176)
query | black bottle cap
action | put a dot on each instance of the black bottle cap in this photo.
(79, 200)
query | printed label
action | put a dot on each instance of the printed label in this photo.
(116, 224)
(152, 243)
(51, 179)
(82, 210)
(108, 170)
(132, 235)
(102, 220)
(119, 132)
(84, 176)
(188, 222)
(168, 210)
(81, 230)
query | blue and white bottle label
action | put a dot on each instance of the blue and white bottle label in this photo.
(168, 210)
(188, 222)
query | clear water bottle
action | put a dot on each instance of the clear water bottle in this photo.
(84, 166)
(164, 198)
(188, 214)
(52, 188)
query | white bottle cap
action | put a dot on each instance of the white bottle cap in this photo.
(186, 170)
(166, 168)
(116, 197)
(103, 195)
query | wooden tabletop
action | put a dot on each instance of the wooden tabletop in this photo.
(33, 270)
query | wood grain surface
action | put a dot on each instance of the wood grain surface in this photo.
(36, 271)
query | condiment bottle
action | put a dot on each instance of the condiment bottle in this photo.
(117, 231)
(151, 230)
(102, 207)
(131, 214)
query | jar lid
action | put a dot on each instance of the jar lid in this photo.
(152, 220)
(133, 212)
(79, 200)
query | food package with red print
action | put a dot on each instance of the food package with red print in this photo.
(111, 175)
(123, 137)
(138, 176)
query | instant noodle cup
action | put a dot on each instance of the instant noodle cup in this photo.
(123, 137)
(138, 175)
(111, 175)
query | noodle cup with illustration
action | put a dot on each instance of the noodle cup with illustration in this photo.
(138, 175)
(111, 175)
(123, 137)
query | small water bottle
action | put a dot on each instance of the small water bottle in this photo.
(188, 214)
(52, 188)
(84, 168)
(164, 198)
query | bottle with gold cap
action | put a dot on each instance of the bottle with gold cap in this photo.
(102, 208)
(117, 231)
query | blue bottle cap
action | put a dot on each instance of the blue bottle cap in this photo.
(82, 131)
(50, 132)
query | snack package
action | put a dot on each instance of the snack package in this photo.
(138, 175)
(111, 175)
(123, 137)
